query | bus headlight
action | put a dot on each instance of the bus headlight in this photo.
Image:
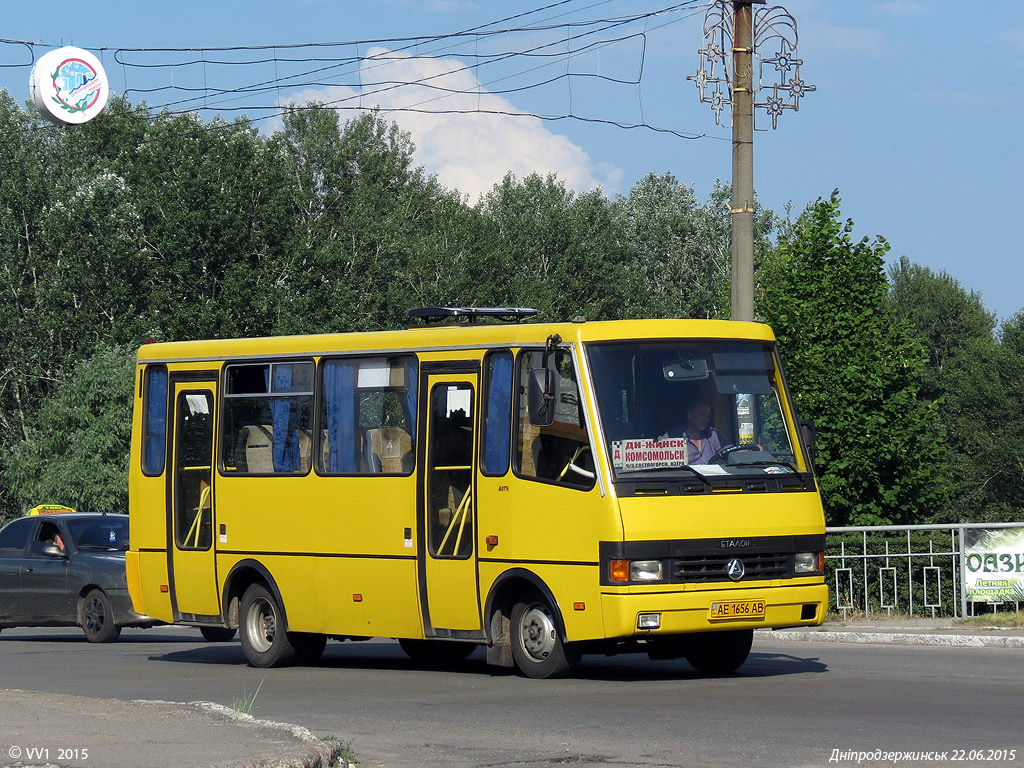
(809, 562)
(645, 570)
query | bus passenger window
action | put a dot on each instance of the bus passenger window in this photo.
(268, 418)
(367, 416)
(497, 431)
(559, 453)
(154, 428)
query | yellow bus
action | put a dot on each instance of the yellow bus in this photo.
(478, 479)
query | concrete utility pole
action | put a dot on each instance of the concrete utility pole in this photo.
(733, 47)
(743, 160)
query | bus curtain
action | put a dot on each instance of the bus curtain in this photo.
(287, 456)
(340, 399)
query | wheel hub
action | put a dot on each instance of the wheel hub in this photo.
(538, 632)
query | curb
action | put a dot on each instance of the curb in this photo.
(315, 752)
(898, 638)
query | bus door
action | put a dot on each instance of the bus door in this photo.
(448, 507)
(190, 512)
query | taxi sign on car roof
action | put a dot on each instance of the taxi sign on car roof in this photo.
(49, 509)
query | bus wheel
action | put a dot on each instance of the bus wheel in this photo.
(264, 639)
(309, 646)
(98, 619)
(436, 652)
(217, 634)
(719, 653)
(537, 648)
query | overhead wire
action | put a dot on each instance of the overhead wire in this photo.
(216, 98)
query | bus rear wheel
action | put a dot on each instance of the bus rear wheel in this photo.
(262, 631)
(537, 646)
(719, 653)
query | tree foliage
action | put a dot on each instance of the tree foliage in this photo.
(139, 225)
(855, 369)
(977, 381)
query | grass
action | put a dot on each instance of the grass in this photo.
(347, 756)
(247, 704)
(1005, 619)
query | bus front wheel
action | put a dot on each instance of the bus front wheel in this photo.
(719, 653)
(264, 639)
(537, 646)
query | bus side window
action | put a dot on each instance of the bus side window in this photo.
(367, 416)
(559, 453)
(154, 420)
(268, 418)
(497, 429)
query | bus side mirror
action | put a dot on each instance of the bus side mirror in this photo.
(541, 397)
(809, 433)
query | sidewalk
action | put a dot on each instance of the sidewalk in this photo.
(46, 730)
(903, 631)
(42, 730)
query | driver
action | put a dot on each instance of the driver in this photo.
(702, 439)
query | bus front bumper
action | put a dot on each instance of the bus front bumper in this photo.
(649, 613)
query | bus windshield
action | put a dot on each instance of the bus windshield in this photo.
(706, 409)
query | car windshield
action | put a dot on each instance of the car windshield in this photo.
(701, 409)
(105, 533)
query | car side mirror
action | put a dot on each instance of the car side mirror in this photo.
(541, 397)
(52, 550)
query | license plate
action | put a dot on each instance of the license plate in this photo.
(738, 609)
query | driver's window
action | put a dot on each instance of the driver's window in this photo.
(559, 453)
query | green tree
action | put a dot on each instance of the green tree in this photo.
(364, 217)
(945, 315)
(855, 369)
(76, 451)
(554, 250)
(681, 252)
(976, 380)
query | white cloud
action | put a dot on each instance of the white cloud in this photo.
(469, 138)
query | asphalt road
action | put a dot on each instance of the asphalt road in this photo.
(792, 704)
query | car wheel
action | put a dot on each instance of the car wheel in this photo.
(217, 634)
(537, 646)
(262, 631)
(98, 619)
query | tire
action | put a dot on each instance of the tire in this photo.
(436, 653)
(537, 646)
(262, 631)
(309, 646)
(98, 619)
(719, 653)
(217, 634)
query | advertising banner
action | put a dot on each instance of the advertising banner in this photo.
(994, 565)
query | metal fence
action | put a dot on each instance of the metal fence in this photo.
(902, 569)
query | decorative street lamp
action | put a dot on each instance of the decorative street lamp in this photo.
(735, 39)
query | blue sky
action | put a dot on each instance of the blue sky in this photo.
(916, 118)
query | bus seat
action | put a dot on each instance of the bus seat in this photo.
(259, 449)
(386, 449)
(305, 450)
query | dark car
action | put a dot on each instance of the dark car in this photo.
(67, 570)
